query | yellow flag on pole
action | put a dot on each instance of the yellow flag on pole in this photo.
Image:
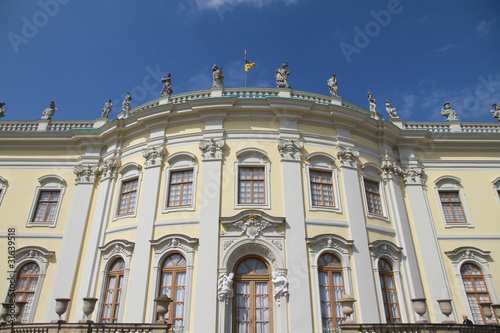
(249, 64)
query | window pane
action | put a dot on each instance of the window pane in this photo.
(128, 197)
(181, 188)
(321, 188)
(251, 185)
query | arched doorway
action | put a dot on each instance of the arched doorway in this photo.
(252, 303)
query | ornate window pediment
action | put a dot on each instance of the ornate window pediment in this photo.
(468, 253)
(252, 223)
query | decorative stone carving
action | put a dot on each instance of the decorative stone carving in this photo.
(448, 112)
(33, 253)
(495, 112)
(277, 243)
(281, 75)
(109, 168)
(118, 246)
(228, 243)
(391, 168)
(252, 226)
(329, 241)
(280, 285)
(225, 287)
(254, 248)
(178, 241)
(126, 105)
(464, 253)
(212, 149)
(49, 112)
(2, 110)
(86, 174)
(153, 156)
(217, 77)
(373, 104)
(290, 149)
(332, 85)
(414, 176)
(167, 85)
(106, 109)
(390, 110)
(348, 157)
(380, 248)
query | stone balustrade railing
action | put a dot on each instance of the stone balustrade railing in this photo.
(418, 328)
(90, 327)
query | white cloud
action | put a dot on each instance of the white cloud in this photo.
(408, 103)
(483, 27)
(446, 48)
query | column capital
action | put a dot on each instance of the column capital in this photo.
(212, 149)
(290, 149)
(391, 168)
(86, 174)
(154, 156)
(109, 167)
(414, 175)
(348, 157)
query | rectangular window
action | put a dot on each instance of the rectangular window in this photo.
(452, 207)
(46, 208)
(373, 197)
(180, 191)
(321, 188)
(128, 197)
(251, 185)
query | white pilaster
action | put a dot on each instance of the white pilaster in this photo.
(206, 301)
(366, 295)
(70, 251)
(137, 300)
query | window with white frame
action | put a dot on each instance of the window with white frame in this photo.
(331, 289)
(323, 186)
(389, 292)
(452, 201)
(47, 201)
(181, 177)
(3, 187)
(373, 191)
(26, 283)
(252, 179)
(113, 292)
(128, 190)
(476, 290)
(173, 284)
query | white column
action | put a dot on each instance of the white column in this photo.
(91, 261)
(299, 305)
(68, 257)
(432, 261)
(205, 302)
(140, 270)
(366, 294)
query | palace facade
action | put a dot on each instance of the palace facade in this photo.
(254, 210)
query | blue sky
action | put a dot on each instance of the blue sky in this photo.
(418, 54)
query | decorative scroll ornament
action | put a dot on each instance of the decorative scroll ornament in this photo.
(280, 285)
(414, 176)
(212, 149)
(390, 167)
(252, 226)
(108, 168)
(86, 174)
(154, 156)
(290, 149)
(348, 157)
(225, 287)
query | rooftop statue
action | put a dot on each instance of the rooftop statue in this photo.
(50, 111)
(373, 103)
(106, 109)
(390, 110)
(126, 104)
(2, 110)
(332, 85)
(281, 75)
(448, 112)
(167, 85)
(495, 112)
(218, 77)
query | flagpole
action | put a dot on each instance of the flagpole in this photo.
(245, 68)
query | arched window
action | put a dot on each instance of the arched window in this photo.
(252, 303)
(113, 292)
(476, 290)
(389, 293)
(27, 279)
(173, 284)
(331, 289)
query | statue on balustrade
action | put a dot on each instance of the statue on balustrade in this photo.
(2, 110)
(281, 75)
(390, 110)
(496, 111)
(126, 104)
(218, 77)
(49, 112)
(373, 103)
(448, 112)
(106, 109)
(167, 85)
(332, 85)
